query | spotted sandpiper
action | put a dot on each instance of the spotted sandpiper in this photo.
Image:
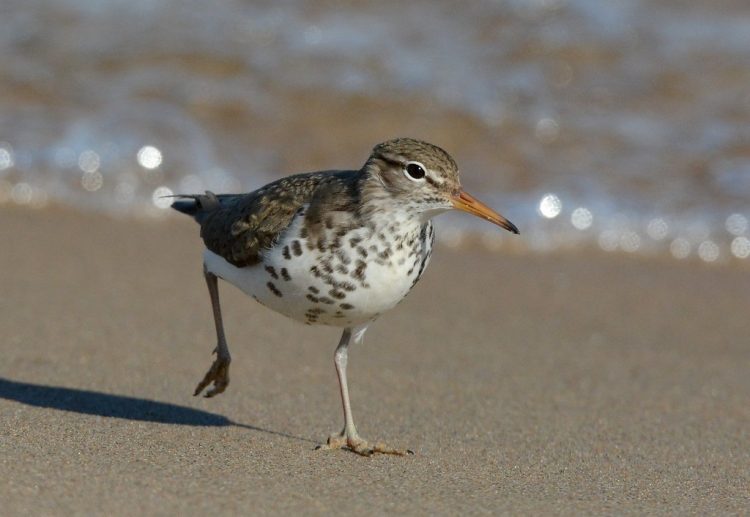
(334, 248)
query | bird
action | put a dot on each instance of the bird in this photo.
(336, 248)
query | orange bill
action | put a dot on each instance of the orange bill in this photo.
(468, 203)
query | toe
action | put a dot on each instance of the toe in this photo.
(220, 384)
(219, 375)
(363, 448)
(219, 387)
(359, 446)
(382, 448)
(335, 441)
(201, 385)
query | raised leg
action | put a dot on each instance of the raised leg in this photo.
(349, 437)
(219, 371)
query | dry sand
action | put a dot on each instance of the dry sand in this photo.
(526, 385)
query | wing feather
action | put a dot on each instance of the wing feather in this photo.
(239, 227)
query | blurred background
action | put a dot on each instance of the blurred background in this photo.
(621, 126)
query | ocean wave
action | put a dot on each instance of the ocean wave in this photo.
(623, 127)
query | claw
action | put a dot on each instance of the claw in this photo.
(218, 374)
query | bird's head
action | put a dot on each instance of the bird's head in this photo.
(423, 177)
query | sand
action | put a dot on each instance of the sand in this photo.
(557, 384)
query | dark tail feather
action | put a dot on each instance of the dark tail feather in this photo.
(196, 205)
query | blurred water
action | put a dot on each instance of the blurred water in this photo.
(621, 125)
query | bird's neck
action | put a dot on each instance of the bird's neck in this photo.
(380, 205)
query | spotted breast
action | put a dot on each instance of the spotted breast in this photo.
(324, 273)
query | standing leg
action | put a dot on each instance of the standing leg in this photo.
(349, 437)
(219, 371)
(340, 359)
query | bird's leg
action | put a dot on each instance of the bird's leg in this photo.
(219, 371)
(349, 437)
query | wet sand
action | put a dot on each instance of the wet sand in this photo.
(526, 385)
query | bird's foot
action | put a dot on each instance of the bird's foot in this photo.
(360, 446)
(218, 374)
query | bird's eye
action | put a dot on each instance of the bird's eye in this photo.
(414, 171)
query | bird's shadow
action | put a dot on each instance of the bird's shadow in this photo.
(119, 406)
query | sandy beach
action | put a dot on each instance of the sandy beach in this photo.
(527, 385)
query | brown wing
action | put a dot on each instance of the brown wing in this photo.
(240, 226)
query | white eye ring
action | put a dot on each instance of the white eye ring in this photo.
(415, 171)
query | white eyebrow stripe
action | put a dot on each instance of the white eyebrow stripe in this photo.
(434, 177)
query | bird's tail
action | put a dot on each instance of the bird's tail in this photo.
(196, 205)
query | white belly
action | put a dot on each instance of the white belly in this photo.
(330, 287)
